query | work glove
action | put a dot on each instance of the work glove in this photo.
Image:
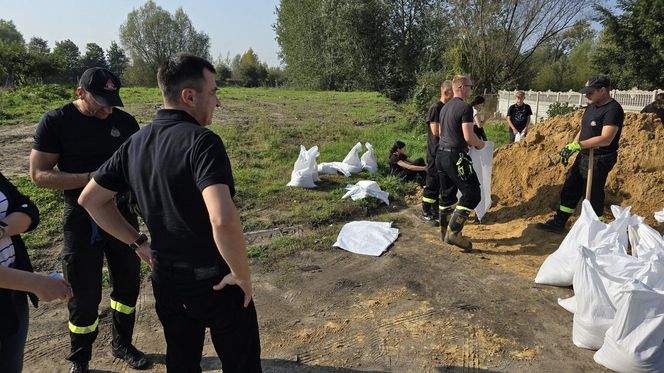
(568, 150)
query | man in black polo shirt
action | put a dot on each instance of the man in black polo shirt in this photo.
(181, 177)
(455, 169)
(601, 126)
(78, 138)
(432, 187)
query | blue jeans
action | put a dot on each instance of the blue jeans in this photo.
(11, 346)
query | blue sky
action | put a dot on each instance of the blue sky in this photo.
(233, 25)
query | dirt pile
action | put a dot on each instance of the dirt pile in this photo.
(528, 176)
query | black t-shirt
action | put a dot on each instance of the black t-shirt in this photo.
(433, 116)
(651, 108)
(166, 165)
(395, 169)
(595, 118)
(82, 142)
(452, 115)
(519, 115)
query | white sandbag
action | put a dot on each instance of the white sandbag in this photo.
(659, 216)
(634, 342)
(365, 188)
(368, 159)
(519, 136)
(366, 237)
(649, 242)
(353, 159)
(594, 309)
(558, 268)
(333, 168)
(483, 165)
(569, 304)
(622, 220)
(305, 171)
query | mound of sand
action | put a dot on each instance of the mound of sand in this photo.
(528, 176)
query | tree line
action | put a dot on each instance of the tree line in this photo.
(405, 48)
(147, 37)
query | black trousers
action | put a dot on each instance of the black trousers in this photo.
(186, 304)
(83, 256)
(575, 182)
(450, 182)
(417, 176)
(432, 186)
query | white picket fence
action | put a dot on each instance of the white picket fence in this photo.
(631, 101)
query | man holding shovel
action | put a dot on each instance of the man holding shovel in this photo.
(597, 142)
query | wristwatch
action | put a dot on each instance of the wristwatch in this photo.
(3, 225)
(142, 238)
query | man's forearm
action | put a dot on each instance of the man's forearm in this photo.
(230, 243)
(109, 218)
(54, 179)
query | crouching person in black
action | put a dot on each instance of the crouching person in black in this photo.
(455, 169)
(406, 168)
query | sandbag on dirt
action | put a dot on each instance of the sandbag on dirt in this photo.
(368, 159)
(483, 165)
(647, 241)
(365, 188)
(366, 237)
(305, 172)
(635, 341)
(333, 168)
(528, 175)
(353, 159)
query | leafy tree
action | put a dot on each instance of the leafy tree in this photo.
(9, 33)
(151, 34)
(69, 57)
(13, 55)
(38, 45)
(275, 77)
(117, 59)
(631, 46)
(251, 72)
(93, 57)
(223, 72)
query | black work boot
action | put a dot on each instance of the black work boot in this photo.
(79, 367)
(428, 216)
(132, 356)
(453, 234)
(555, 224)
(444, 214)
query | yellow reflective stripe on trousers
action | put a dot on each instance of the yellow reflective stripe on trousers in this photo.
(566, 209)
(121, 307)
(428, 200)
(83, 329)
(463, 208)
(441, 208)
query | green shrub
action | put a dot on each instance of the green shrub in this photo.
(560, 108)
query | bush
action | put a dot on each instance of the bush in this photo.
(560, 108)
(427, 90)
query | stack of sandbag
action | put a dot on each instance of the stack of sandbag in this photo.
(618, 301)
(305, 172)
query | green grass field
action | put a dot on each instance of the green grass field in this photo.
(262, 130)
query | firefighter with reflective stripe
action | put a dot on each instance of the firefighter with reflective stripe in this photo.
(455, 168)
(601, 126)
(77, 138)
(432, 187)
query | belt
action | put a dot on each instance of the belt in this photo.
(200, 272)
(453, 150)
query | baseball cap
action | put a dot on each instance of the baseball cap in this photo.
(595, 83)
(103, 85)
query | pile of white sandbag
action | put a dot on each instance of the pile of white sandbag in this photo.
(618, 301)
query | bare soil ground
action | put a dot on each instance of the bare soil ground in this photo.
(421, 307)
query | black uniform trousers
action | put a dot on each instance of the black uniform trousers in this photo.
(186, 304)
(417, 176)
(575, 182)
(432, 186)
(84, 249)
(450, 182)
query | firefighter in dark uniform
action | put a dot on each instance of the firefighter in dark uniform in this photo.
(601, 126)
(455, 168)
(432, 187)
(182, 179)
(77, 138)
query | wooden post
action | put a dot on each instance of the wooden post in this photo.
(589, 181)
(537, 106)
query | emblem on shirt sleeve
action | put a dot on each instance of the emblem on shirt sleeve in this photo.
(593, 124)
(115, 132)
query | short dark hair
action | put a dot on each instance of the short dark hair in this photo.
(477, 100)
(180, 71)
(397, 145)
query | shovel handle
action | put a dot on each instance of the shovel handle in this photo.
(589, 179)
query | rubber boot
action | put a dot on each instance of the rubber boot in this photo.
(444, 214)
(428, 216)
(453, 234)
(555, 224)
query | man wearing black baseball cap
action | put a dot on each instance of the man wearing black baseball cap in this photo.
(601, 126)
(77, 138)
